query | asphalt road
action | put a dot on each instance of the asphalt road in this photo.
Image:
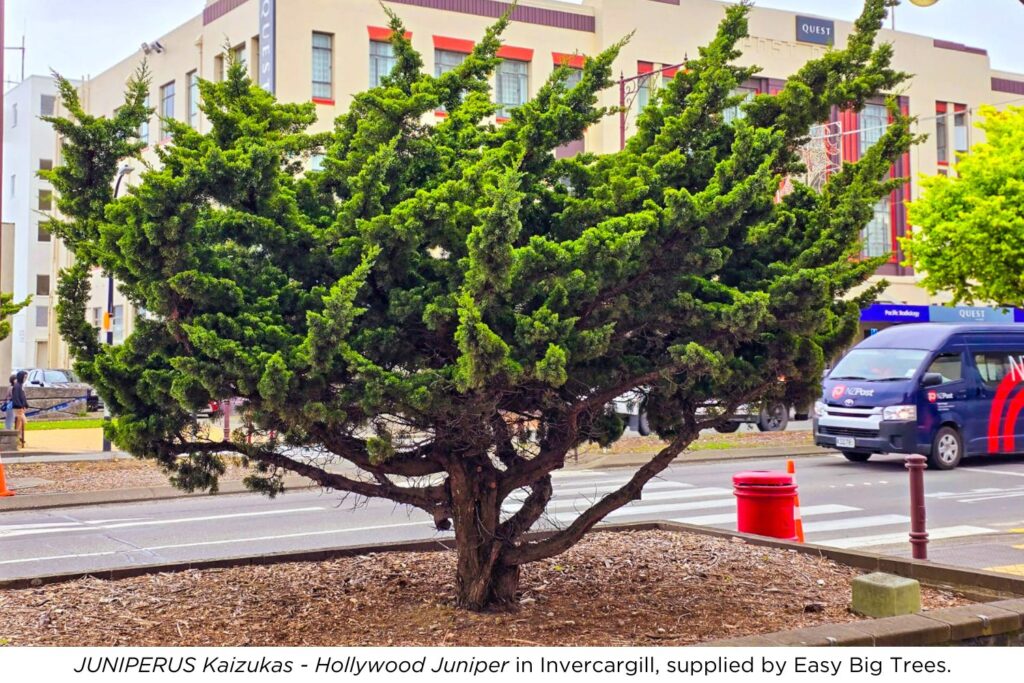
(975, 516)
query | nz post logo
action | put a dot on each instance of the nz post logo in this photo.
(838, 391)
(1002, 429)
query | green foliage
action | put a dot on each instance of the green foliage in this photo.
(969, 238)
(8, 307)
(447, 297)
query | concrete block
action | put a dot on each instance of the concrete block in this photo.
(8, 440)
(824, 635)
(885, 595)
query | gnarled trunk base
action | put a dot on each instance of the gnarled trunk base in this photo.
(488, 589)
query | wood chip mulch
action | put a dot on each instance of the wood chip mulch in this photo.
(636, 588)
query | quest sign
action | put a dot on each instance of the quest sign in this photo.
(268, 40)
(819, 31)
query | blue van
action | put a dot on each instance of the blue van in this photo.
(944, 391)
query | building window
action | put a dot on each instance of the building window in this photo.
(644, 85)
(447, 60)
(46, 164)
(877, 234)
(42, 285)
(323, 66)
(193, 99)
(941, 134)
(960, 136)
(218, 68)
(42, 234)
(513, 85)
(45, 200)
(47, 105)
(382, 61)
(730, 114)
(240, 56)
(574, 78)
(144, 126)
(42, 316)
(873, 120)
(117, 324)
(316, 162)
(166, 108)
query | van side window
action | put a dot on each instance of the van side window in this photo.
(993, 366)
(949, 366)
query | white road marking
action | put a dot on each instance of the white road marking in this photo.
(892, 539)
(513, 503)
(633, 510)
(855, 523)
(1008, 474)
(709, 520)
(176, 546)
(155, 522)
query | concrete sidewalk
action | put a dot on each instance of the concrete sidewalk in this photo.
(58, 442)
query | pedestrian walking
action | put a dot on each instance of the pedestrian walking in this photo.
(20, 403)
(8, 406)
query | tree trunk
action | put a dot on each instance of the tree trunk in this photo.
(483, 580)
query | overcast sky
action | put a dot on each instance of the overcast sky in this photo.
(84, 37)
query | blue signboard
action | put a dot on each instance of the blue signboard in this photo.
(813, 30)
(894, 313)
(268, 45)
(900, 313)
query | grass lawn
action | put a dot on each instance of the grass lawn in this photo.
(84, 423)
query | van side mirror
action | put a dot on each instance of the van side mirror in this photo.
(931, 379)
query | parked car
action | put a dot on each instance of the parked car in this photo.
(771, 416)
(63, 379)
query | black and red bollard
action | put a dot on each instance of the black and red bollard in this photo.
(918, 533)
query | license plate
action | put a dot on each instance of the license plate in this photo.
(846, 442)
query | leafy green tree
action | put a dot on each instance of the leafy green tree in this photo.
(448, 309)
(8, 307)
(969, 229)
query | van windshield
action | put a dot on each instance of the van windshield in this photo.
(879, 365)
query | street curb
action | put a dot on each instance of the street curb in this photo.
(45, 501)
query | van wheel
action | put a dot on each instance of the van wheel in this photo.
(774, 418)
(727, 427)
(947, 449)
(854, 456)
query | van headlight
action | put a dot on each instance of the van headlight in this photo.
(819, 408)
(902, 413)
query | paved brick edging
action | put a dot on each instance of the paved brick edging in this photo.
(46, 501)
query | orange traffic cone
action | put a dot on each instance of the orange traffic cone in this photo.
(4, 492)
(798, 522)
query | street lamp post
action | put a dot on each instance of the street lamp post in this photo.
(108, 317)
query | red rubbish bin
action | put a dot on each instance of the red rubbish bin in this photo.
(764, 503)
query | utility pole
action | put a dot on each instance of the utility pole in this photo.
(108, 316)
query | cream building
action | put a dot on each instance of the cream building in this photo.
(326, 50)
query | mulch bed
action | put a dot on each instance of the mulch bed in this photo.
(103, 475)
(629, 588)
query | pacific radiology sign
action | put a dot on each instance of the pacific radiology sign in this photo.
(812, 30)
(268, 45)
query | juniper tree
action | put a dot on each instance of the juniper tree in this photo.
(447, 308)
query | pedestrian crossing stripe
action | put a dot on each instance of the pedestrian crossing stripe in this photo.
(1015, 569)
(709, 520)
(904, 537)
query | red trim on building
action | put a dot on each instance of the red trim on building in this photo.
(523, 13)
(218, 9)
(644, 67)
(382, 34)
(519, 54)
(441, 114)
(454, 44)
(670, 72)
(324, 100)
(958, 47)
(574, 61)
(959, 108)
(940, 107)
(1008, 85)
